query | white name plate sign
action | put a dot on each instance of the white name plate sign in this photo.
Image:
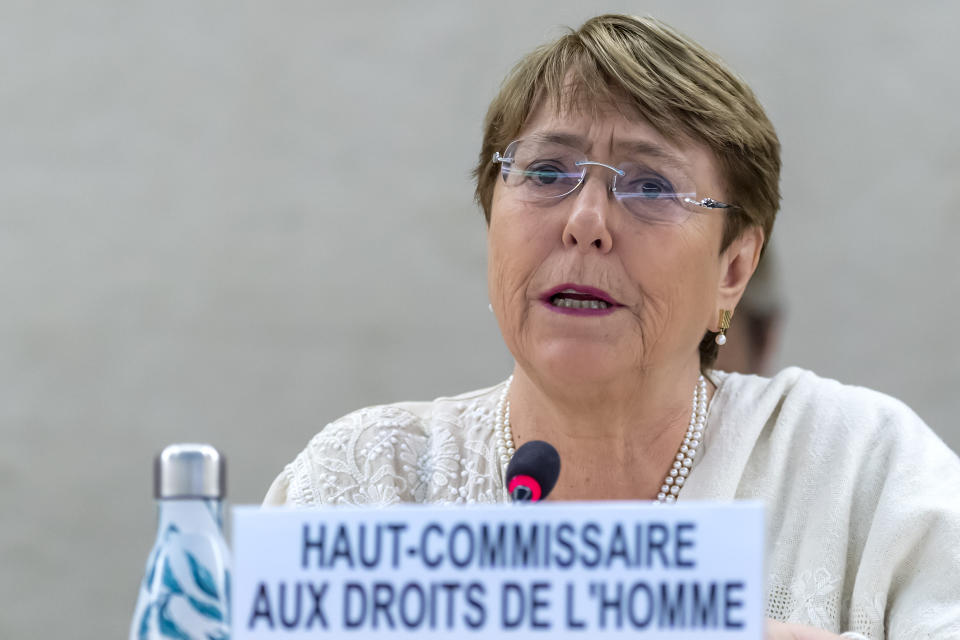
(557, 570)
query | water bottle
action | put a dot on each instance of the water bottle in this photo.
(185, 592)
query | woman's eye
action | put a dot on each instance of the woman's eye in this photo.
(544, 174)
(650, 188)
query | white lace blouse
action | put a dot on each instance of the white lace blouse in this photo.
(863, 499)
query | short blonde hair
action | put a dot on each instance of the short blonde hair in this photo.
(670, 81)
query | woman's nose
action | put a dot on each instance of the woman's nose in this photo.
(588, 225)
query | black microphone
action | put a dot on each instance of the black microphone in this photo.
(533, 471)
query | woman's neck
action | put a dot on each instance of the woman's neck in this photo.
(616, 440)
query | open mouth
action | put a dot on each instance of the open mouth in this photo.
(579, 297)
(572, 300)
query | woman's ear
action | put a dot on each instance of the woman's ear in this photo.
(737, 264)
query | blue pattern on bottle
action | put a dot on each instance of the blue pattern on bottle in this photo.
(169, 581)
(204, 609)
(202, 577)
(183, 596)
(144, 628)
(169, 628)
(226, 590)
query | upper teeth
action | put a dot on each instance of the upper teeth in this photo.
(570, 303)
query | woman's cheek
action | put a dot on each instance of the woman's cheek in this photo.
(656, 311)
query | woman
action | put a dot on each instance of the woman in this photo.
(630, 181)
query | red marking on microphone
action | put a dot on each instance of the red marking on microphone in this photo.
(529, 483)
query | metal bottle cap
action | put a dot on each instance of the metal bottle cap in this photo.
(189, 471)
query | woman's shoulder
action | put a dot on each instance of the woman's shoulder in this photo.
(814, 427)
(798, 382)
(464, 411)
(797, 396)
(845, 472)
(822, 433)
(382, 454)
(817, 432)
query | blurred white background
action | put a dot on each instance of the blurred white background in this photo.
(235, 221)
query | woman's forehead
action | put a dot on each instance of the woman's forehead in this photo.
(602, 128)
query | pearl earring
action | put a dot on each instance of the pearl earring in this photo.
(724, 323)
(490, 307)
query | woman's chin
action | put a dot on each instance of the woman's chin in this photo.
(583, 363)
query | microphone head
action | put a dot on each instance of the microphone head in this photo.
(533, 471)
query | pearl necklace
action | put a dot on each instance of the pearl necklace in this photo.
(682, 463)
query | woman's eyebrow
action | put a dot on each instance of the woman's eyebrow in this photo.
(627, 147)
(654, 150)
(561, 137)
